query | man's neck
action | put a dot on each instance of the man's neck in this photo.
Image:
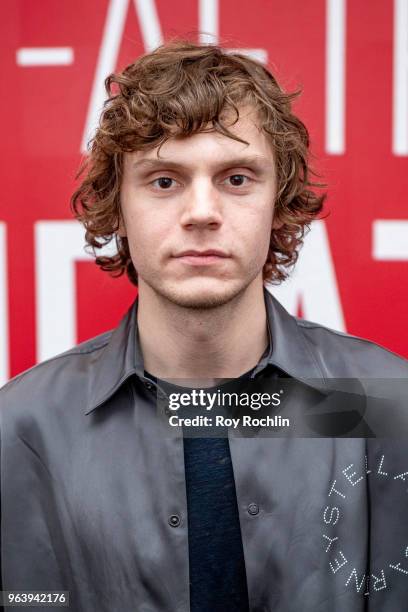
(202, 345)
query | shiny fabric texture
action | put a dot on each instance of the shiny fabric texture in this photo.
(91, 482)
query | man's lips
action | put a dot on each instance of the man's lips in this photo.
(199, 258)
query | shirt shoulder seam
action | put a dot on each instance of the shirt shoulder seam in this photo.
(73, 351)
(311, 325)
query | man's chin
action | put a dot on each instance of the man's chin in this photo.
(202, 297)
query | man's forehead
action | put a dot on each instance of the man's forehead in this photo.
(210, 145)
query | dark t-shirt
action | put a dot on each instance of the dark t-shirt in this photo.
(216, 558)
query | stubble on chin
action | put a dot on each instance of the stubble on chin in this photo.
(199, 297)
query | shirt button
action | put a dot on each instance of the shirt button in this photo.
(149, 385)
(253, 509)
(174, 520)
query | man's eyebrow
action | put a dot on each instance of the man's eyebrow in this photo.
(259, 162)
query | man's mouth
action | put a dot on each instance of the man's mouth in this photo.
(202, 258)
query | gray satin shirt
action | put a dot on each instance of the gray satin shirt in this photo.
(93, 497)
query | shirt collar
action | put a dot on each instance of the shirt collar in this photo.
(122, 356)
(289, 350)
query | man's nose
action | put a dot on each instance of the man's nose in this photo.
(202, 205)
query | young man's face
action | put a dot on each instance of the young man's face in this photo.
(204, 192)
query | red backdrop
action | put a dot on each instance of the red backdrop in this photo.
(348, 57)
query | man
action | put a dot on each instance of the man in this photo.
(200, 171)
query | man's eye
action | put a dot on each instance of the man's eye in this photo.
(163, 182)
(238, 180)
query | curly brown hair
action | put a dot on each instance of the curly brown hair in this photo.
(179, 89)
